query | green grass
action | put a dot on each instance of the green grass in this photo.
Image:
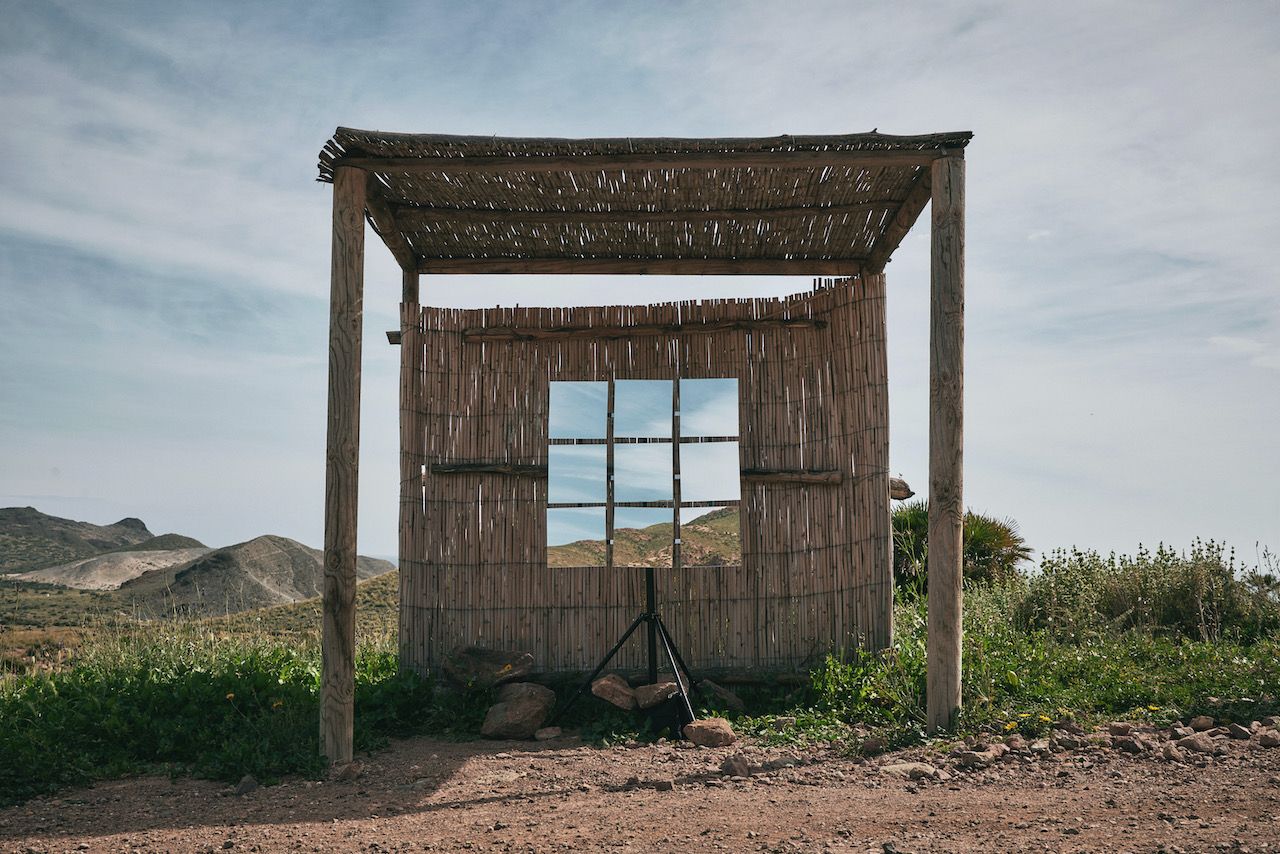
(1159, 636)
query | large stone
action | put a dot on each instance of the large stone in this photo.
(519, 712)
(735, 766)
(1239, 732)
(1173, 753)
(1269, 738)
(648, 696)
(1200, 723)
(478, 667)
(1199, 743)
(614, 689)
(710, 732)
(724, 695)
(910, 770)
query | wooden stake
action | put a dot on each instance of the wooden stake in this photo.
(946, 444)
(337, 692)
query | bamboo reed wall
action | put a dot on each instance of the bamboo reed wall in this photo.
(817, 562)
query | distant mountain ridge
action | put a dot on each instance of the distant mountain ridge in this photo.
(30, 539)
(130, 569)
(267, 570)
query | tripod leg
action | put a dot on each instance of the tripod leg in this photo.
(675, 668)
(674, 652)
(604, 662)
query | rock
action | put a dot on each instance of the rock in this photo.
(1120, 728)
(1015, 742)
(973, 758)
(1067, 741)
(735, 766)
(1269, 738)
(711, 732)
(783, 723)
(346, 772)
(479, 667)
(782, 762)
(723, 694)
(1182, 731)
(664, 785)
(1130, 744)
(1173, 753)
(1198, 743)
(648, 696)
(1271, 721)
(519, 712)
(1069, 726)
(614, 689)
(1039, 746)
(246, 785)
(873, 747)
(1239, 732)
(910, 770)
(547, 733)
(1200, 723)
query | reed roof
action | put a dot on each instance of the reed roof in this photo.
(812, 205)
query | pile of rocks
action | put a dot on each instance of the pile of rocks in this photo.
(711, 732)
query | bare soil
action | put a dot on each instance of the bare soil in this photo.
(426, 795)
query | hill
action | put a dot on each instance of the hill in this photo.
(31, 540)
(264, 571)
(109, 570)
(712, 539)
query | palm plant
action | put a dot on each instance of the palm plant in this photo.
(993, 548)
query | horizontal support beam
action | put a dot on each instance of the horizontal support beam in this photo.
(573, 505)
(514, 469)
(645, 266)
(643, 330)
(393, 337)
(413, 216)
(898, 489)
(619, 162)
(792, 475)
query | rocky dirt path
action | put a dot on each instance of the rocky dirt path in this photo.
(425, 795)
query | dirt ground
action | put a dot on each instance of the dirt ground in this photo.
(425, 795)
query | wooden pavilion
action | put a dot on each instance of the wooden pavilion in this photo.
(817, 544)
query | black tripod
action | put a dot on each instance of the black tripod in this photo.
(657, 634)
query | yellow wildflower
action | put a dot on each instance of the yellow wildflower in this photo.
(1010, 725)
(1046, 718)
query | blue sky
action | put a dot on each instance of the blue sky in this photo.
(164, 247)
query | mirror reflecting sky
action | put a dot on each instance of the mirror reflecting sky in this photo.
(642, 408)
(709, 407)
(642, 472)
(576, 473)
(709, 472)
(578, 410)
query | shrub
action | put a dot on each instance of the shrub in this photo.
(993, 548)
(1201, 594)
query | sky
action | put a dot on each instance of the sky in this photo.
(164, 247)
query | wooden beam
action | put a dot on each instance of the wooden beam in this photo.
(903, 219)
(946, 445)
(385, 225)
(414, 217)
(640, 330)
(337, 691)
(828, 476)
(651, 266)
(409, 282)
(513, 469)
(393, 337)
(808, 159)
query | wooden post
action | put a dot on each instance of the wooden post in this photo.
(342, 457)
(410, 448)
(946, 443)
